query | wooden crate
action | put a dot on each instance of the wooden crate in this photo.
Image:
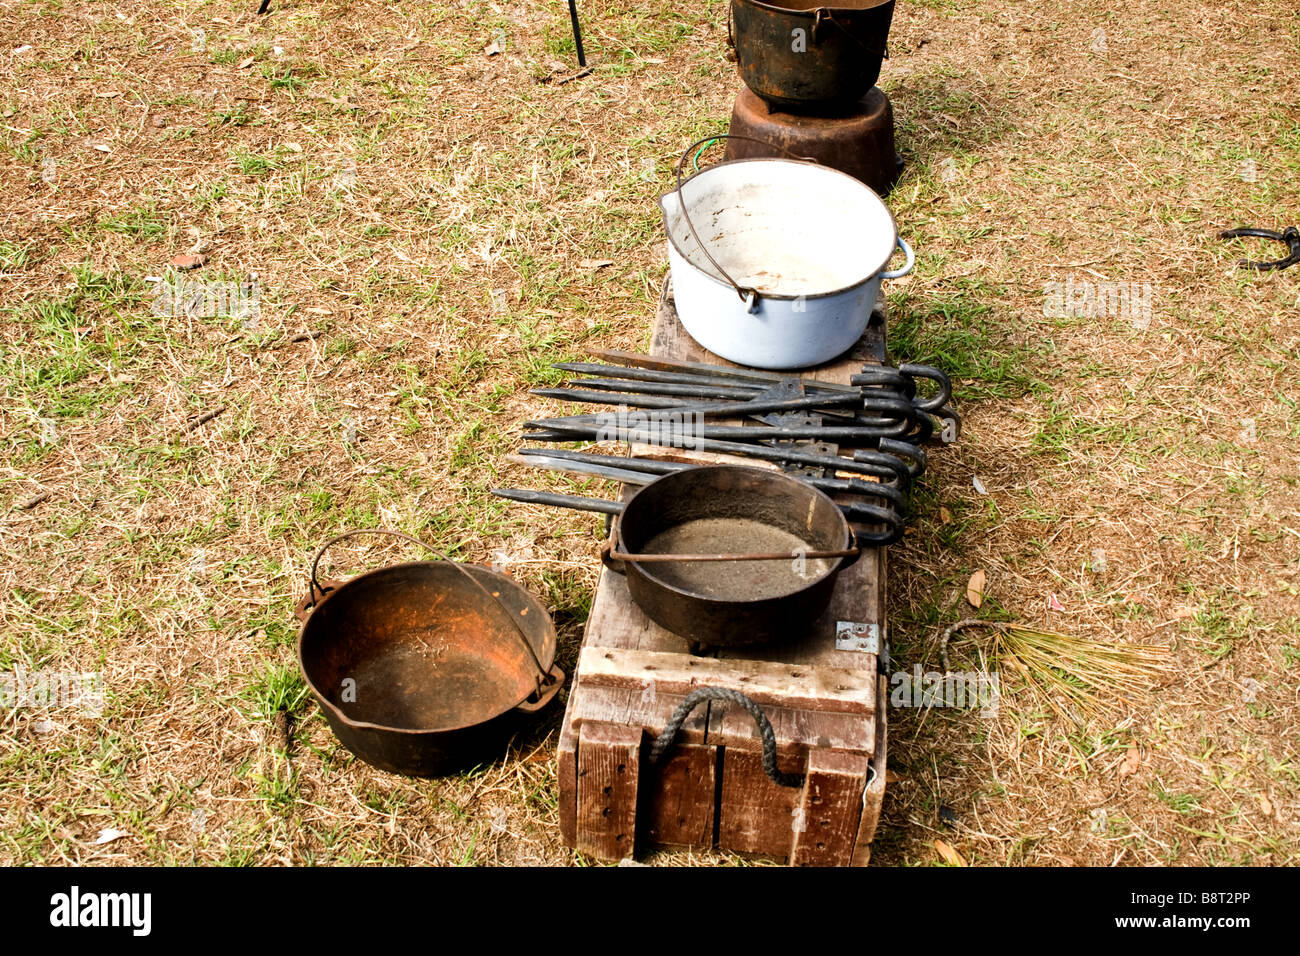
(822, 692)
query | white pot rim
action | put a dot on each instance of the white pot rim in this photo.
(776, 296)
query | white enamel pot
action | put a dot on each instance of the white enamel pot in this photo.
(777, 262)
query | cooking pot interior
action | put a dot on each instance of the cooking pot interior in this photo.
(784, 228)
(419, 647)
(724, 510)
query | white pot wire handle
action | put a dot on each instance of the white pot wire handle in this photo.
(748, 295)
(909, 260)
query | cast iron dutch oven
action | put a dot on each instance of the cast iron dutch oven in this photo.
(731, 509)
(429, 667)
(799, 54)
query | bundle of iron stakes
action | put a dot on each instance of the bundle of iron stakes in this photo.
(864, 441)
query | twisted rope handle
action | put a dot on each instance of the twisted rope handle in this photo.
(663, 743)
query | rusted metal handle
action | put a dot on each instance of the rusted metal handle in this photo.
(315, 564)
(544, 676)
(302, 610)
(545, 694)
(827, 15)
(669, 557)
(607, 558)
(616, 560)
(853, 556)
(820, 14)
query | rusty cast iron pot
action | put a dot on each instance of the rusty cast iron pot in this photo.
(800, 54)
(429, 667)
(748, 505)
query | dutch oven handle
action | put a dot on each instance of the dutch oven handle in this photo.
(827, 15)
(608, 560)
(545, 694)
(747, 294)
(664, 742)
(548, 681)
(616, 561)
(851, 559)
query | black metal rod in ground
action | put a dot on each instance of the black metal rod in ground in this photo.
(577, 33)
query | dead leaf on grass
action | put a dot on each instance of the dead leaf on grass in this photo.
(950, 856)
(975, 588)
(1132, 761)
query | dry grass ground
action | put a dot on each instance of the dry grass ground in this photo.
(422, 221)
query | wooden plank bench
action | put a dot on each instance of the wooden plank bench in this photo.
(821, 690)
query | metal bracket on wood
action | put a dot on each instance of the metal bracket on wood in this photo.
(851, 636)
